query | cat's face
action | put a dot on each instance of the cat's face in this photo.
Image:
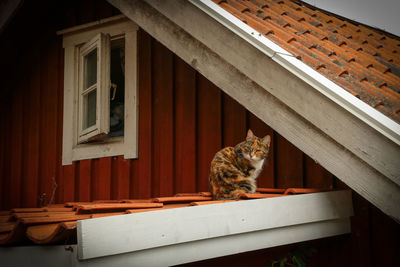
(254, 148)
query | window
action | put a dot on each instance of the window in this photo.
(100, 90)
(94, 84)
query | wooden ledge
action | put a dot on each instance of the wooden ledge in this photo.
(224, 223)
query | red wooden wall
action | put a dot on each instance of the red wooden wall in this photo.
(183, 120)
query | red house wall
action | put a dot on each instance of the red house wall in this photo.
(183, 121)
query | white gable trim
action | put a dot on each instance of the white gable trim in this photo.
(346, 146)
(366, 113)
(344, 127)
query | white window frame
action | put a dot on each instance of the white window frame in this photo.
(73, 39)
(101, 42)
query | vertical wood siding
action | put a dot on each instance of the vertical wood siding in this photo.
(183, 121)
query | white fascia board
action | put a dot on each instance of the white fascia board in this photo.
(178, 253)
(307, 216)
(352, 104)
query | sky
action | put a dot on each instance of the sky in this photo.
(382, 14)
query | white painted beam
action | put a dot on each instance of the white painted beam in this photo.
(283, 220)
(179, 253)
(360, 128)
(314, 141)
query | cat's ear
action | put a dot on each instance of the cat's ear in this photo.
(250, 134)
(267, 140)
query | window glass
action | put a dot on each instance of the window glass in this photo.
(90, 69)
(117, 90)
(89, 109)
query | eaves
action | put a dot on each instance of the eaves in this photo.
(350, 139)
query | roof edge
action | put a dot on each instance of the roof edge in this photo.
(328, 88)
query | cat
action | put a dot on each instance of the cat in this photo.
(234, 170)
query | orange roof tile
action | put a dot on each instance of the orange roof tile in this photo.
(180, 199)
(57, 224)
(257, 195)
(362, 60)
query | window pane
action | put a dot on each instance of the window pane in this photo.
(90, 76)
(89, 109)
(117, 93)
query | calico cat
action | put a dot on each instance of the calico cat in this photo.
(234, 170)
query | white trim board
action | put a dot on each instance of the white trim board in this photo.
(174, 254)
(366, 113)
(224, 229)
(347, 147)
(307, 92)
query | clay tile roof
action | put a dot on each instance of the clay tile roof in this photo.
(57, 224)
(362, 60)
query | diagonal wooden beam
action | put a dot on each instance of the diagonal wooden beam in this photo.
(314, 141)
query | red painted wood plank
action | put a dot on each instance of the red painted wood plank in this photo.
(163, 148)
(385, 235)
(103, 10)
(67, 188)
(86, 11)
(120, 178)
(260, 129)
(69, 16)
(32, 136)
(361, 232)
(48, 114)
(134, 172)
(84, 181)
(185, 127)
(114, 179)
(95, 185)
(209, 140)
(142, 182)
(289, 164)
(2, 151)
(101, 181)
(59, 198)
(7, 159)
(316, 176)
(234, 122)
(16, 147)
